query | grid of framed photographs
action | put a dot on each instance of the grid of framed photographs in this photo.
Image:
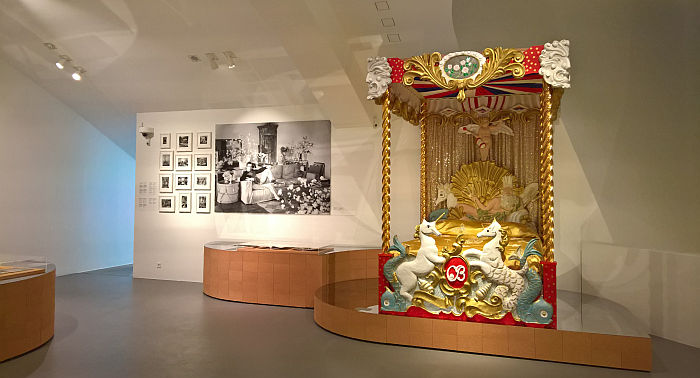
(185, 172)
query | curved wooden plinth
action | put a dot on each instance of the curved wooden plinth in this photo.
(26, 314)
(335, 310)
(252, 275)
(281, 277)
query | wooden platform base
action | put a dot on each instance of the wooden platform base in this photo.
(254, 275)
(26, 314)
(335, 309)
(336, 284)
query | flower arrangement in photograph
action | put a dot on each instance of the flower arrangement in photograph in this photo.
(228, 177)
(305, 197)
(303, 147)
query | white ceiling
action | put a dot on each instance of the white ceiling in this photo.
(291, 52)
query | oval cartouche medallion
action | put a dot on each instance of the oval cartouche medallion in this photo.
(461, 65)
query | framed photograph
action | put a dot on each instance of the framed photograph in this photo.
(202, 162)
(166, 204)
(183, 142)
(166, 161)
(165, 141)
(183, 162)
(272, 168)
(201, 201)
(184, 203)
(202, 181)
(166, 183)
(183, 181)
(204, 139)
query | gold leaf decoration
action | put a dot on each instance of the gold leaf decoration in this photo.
(499, 61)
(481, 179)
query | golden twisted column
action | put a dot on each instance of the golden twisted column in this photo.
(386, 172)
(423, 184)
(546, 172)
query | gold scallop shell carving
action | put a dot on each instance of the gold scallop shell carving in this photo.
(481, 179)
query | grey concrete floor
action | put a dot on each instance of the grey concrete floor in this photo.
(110, 325)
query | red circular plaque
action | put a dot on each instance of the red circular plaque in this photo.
(456, 272)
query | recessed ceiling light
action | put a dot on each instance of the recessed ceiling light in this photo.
(393, 37)
(194, 58)
(388, 22)
(381, 5)
(50, 45)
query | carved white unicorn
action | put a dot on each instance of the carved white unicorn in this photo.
(427, 256)
(491, 263)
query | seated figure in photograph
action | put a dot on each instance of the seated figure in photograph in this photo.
(262, 178)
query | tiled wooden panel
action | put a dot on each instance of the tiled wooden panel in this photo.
(30, 323)
(535, 343)
(287, 278)
(335, 284)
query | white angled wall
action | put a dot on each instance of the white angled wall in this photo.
(67, 190)
(175, 241)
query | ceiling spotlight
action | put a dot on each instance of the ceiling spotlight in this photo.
(230, 58)
(62, 62)
(213, 60)
(78, 74)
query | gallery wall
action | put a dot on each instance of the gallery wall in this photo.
(170, 246)
(625, 196)
(67, 190)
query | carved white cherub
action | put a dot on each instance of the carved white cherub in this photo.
(483, 130)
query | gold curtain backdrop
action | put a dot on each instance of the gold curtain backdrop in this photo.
(447, 150)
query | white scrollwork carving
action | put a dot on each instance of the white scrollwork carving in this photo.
(555, 64)
(378, 76)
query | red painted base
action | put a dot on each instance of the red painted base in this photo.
(549, 292)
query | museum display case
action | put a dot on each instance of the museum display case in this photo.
(27, 300)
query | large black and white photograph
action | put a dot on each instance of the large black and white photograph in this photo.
(273, 168)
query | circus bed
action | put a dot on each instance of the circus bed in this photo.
(483, 250)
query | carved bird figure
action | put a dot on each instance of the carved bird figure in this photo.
(483, 130)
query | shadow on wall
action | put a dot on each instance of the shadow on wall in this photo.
(620, 127)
